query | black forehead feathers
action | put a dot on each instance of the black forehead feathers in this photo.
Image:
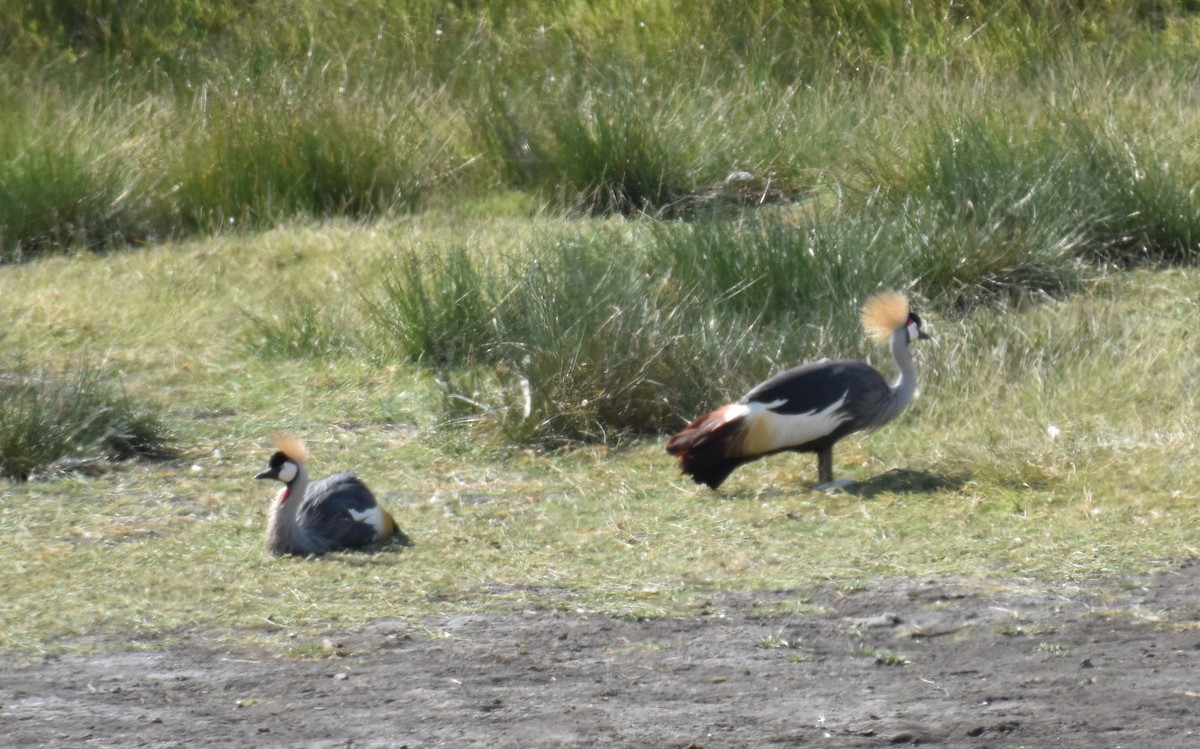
(278, 459)
(914, 317)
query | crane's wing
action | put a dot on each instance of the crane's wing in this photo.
(340, 509)
(814, 387)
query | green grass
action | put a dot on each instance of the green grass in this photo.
(63, 181)
(631, 328)
(252, 157)
(155, 551)
(51, 418)
(210, 116)
(320, 220)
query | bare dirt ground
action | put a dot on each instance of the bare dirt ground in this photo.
(1112, 663)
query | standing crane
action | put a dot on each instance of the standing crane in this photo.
(313, 518)
(807, 408)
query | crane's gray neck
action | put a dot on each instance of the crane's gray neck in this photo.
(284, 533)
(904, 389)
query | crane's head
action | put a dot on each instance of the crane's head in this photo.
(914, 329)
(287, 461)
(886, 313)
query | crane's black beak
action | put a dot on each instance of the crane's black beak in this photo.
(921, 334)
(270, 473)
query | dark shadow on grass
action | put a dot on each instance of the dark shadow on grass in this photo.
(904, 481)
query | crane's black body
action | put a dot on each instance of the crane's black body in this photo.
(813, 386)
(807, 408)
(799, 392)
(333, 513)
(329, 507)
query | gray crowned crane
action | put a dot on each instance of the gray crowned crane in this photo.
(807, 408)
(312, 518)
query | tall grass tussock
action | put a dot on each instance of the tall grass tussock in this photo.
(249, 115)
(51, 417)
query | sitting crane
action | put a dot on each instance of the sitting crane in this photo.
(313, 518)
(807, 408)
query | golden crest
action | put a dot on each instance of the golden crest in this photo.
(291, 447)
(883, 314)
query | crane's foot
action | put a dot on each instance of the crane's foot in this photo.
(827, 486)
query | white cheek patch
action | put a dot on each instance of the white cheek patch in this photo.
(372, 517)
(914, 332)
(287, 472)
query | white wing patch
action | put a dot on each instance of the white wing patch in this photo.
(769, 430)
(372, 517)
(734, 412)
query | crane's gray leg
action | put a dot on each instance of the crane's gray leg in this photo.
(825, 472)
(825, 466)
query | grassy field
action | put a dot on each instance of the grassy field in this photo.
(492, 289)
(969, 482)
